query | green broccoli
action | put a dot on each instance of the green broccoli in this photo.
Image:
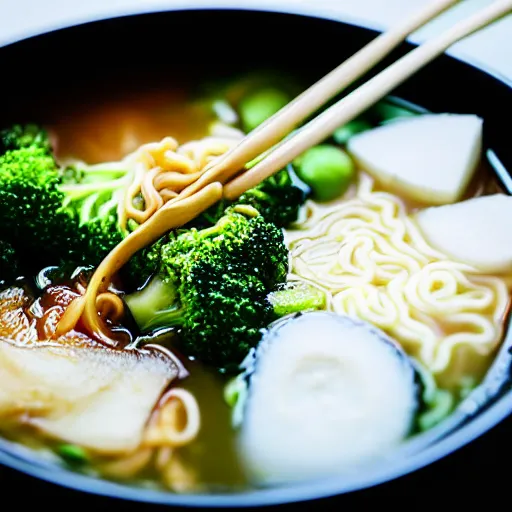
(19, 136)
(225, 313)
(241, 239)
(213, 284)
(278, 199)
(58, 212)
(9, 264)
(31, 203)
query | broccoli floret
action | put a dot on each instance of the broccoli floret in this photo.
(226, 312)
(142, 266)
(9, 263)
(19, 136)
(213, 285)
(57, 213)
(278, 199)
(31, 203)
(44, 215)
(237, 241)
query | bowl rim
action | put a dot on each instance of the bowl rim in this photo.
(325, 488)
(277, 7)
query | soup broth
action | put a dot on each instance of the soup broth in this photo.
(115, 124)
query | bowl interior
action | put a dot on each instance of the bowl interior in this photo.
(86, 63)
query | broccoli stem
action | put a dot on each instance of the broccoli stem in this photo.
(81, 190)
(214, 230)
(111, 168)
(86, 211)
(155, 306)
(95, 190)
(96, 172)
(107, 207)
(81, 181)
(164, 319)
(295, 297)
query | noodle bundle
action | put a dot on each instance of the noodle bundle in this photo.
(372, 262)
(161, 171)
(175, 423)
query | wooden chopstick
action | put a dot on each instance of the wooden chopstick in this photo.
(290, 116)
(276, 127)
(363, 97)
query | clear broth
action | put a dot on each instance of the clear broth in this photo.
(107, 129)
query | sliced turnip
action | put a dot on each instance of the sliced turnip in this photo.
(97, 398)
(429, 158)
(325, 392)
(476, 231)
(73, 389)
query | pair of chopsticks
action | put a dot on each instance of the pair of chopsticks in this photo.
(228, 175)
(227, 169)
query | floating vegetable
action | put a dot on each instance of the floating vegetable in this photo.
(345, 132)
(328, 170)
(429, 158)
(260, 105)
(476, 231)
(325, 392)
(296, 296)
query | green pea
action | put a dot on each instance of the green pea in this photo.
(388, 112)
(345, 132)
(233, 390)
(327, 170)
(259, 106)
(73, 453)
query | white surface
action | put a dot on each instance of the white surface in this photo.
(486, 246)
(491, 46)
(396, 155)
(316, 395)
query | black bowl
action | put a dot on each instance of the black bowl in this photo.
(147, 48)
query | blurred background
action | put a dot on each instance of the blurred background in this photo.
(492, 46)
